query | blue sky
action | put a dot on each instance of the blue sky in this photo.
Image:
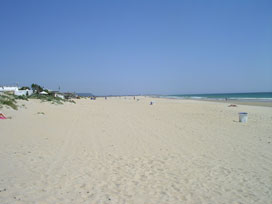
(137, 47)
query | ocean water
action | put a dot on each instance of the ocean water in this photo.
(259, 96)
(85, 94)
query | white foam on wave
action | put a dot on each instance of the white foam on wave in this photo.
(219, 99)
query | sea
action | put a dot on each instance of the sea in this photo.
(253, 97)
(85, 94)
(256, 96)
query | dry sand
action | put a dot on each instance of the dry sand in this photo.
(123, 151)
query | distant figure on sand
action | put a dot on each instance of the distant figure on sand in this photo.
(151, 103)
(105, 97)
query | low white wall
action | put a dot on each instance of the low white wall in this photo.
(8, 88)
(23, 92)
(60, 96)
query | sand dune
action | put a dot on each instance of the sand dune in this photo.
(123, 151)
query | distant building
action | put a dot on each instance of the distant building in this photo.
(59, 95)
(23, 92)
(15, 90)
(70, 95)
(9, 89)
(43, 93)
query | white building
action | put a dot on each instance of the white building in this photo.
(43, 93)
(23, 92)
(60, 96)
(15, 90)
(8, 88)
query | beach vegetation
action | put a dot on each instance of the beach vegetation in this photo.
(40, 113)
(8, 100)
(47, 98)
(71, 101)
(50, 98)
(36, 88)
(21, 97)
(24, 88)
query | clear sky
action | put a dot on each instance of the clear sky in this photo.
(137, 47)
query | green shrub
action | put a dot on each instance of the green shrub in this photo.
(9, 101)
(21, 98)
(48, 98)
(24, 88)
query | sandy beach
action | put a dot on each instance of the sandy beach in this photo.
(122, 150)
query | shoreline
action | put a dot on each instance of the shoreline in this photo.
(230, 101)
(248, 103)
